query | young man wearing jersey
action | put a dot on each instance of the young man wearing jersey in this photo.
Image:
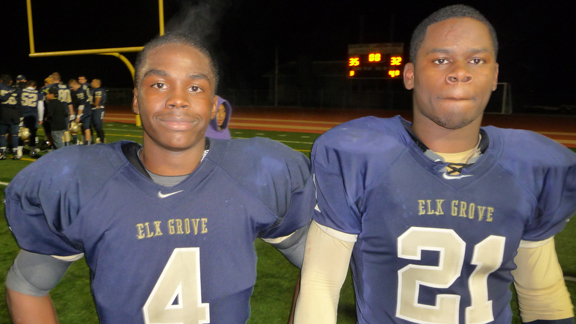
(10, 113)
(33, 111)
(172, 222)
(84, 115)
(440, 216)
(98, 103)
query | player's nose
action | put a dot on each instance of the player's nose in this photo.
(178, 98)
(459, 73)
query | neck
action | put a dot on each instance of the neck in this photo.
(165, 162)
(440, 139)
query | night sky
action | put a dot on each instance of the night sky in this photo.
(537, 38)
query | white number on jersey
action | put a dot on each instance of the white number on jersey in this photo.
(177, 295)
(29, 99)
(64, 95)
(12, 99)
(487, 257)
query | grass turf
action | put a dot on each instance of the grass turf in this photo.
(273, 293)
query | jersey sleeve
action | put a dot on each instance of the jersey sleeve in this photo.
(556, 201)
(337, 189)
(294, 195)
(41, 204)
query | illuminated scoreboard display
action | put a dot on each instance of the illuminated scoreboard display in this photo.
(375, 61)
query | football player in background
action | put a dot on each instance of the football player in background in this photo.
(440, 216)
(98, 102)
(10, 113)
(84, 114)
(33, 111)
(46, 124)
(171, 222)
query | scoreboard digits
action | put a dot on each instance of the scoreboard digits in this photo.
(375, 61)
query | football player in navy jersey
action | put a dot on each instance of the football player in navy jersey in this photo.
(98, 104)
(167, 228)
(440, 216)
(84, 115)
(10, 113)
(33, 111)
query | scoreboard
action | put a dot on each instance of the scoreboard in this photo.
(375, 61)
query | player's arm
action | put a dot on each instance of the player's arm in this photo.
(28, 284)
(80, 112)
(28, 309)
(40, 107)
(97, 98)
(542, 294)
(324, 270)
(291, 246)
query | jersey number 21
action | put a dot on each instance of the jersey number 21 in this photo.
(487, 258)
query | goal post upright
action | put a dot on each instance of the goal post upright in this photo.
(101, 51)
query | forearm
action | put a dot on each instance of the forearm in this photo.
(26, 309)
(542, 293)
(323, 273)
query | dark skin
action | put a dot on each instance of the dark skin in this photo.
(175, 99)
(453, 76)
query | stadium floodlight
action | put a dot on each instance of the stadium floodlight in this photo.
(101, 51)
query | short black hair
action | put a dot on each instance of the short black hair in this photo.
(454, 11)
(53, 90)
(175, 38)
(5, 78)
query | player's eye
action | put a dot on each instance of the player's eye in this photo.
(195, 89)
(159, 85)
(440, 61)
(477, 61)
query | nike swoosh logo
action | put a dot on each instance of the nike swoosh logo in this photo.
(161, 195)
(447, 177)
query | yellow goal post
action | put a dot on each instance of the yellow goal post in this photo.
(100, 51)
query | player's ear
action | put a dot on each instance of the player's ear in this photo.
(495, 85)
(409, 76)
(214, 106)
(135, 105)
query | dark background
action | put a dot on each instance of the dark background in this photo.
(536, 37)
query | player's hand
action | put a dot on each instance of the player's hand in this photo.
(40, 122)
(72, 117)
(77, 119)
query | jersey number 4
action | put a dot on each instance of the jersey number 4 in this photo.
(177, 297)
(487, 258)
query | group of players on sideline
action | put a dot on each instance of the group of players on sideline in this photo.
(63, 110)
(436, 217)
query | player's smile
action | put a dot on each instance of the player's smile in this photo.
(175, 97)
(178, 122)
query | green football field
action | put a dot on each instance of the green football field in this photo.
(273, 293)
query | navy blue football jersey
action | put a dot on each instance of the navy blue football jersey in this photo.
(183, 254)
(30, 98)
(99, 93)
(434, 247)
(83, 98)
(64, 93)
(10, 96)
